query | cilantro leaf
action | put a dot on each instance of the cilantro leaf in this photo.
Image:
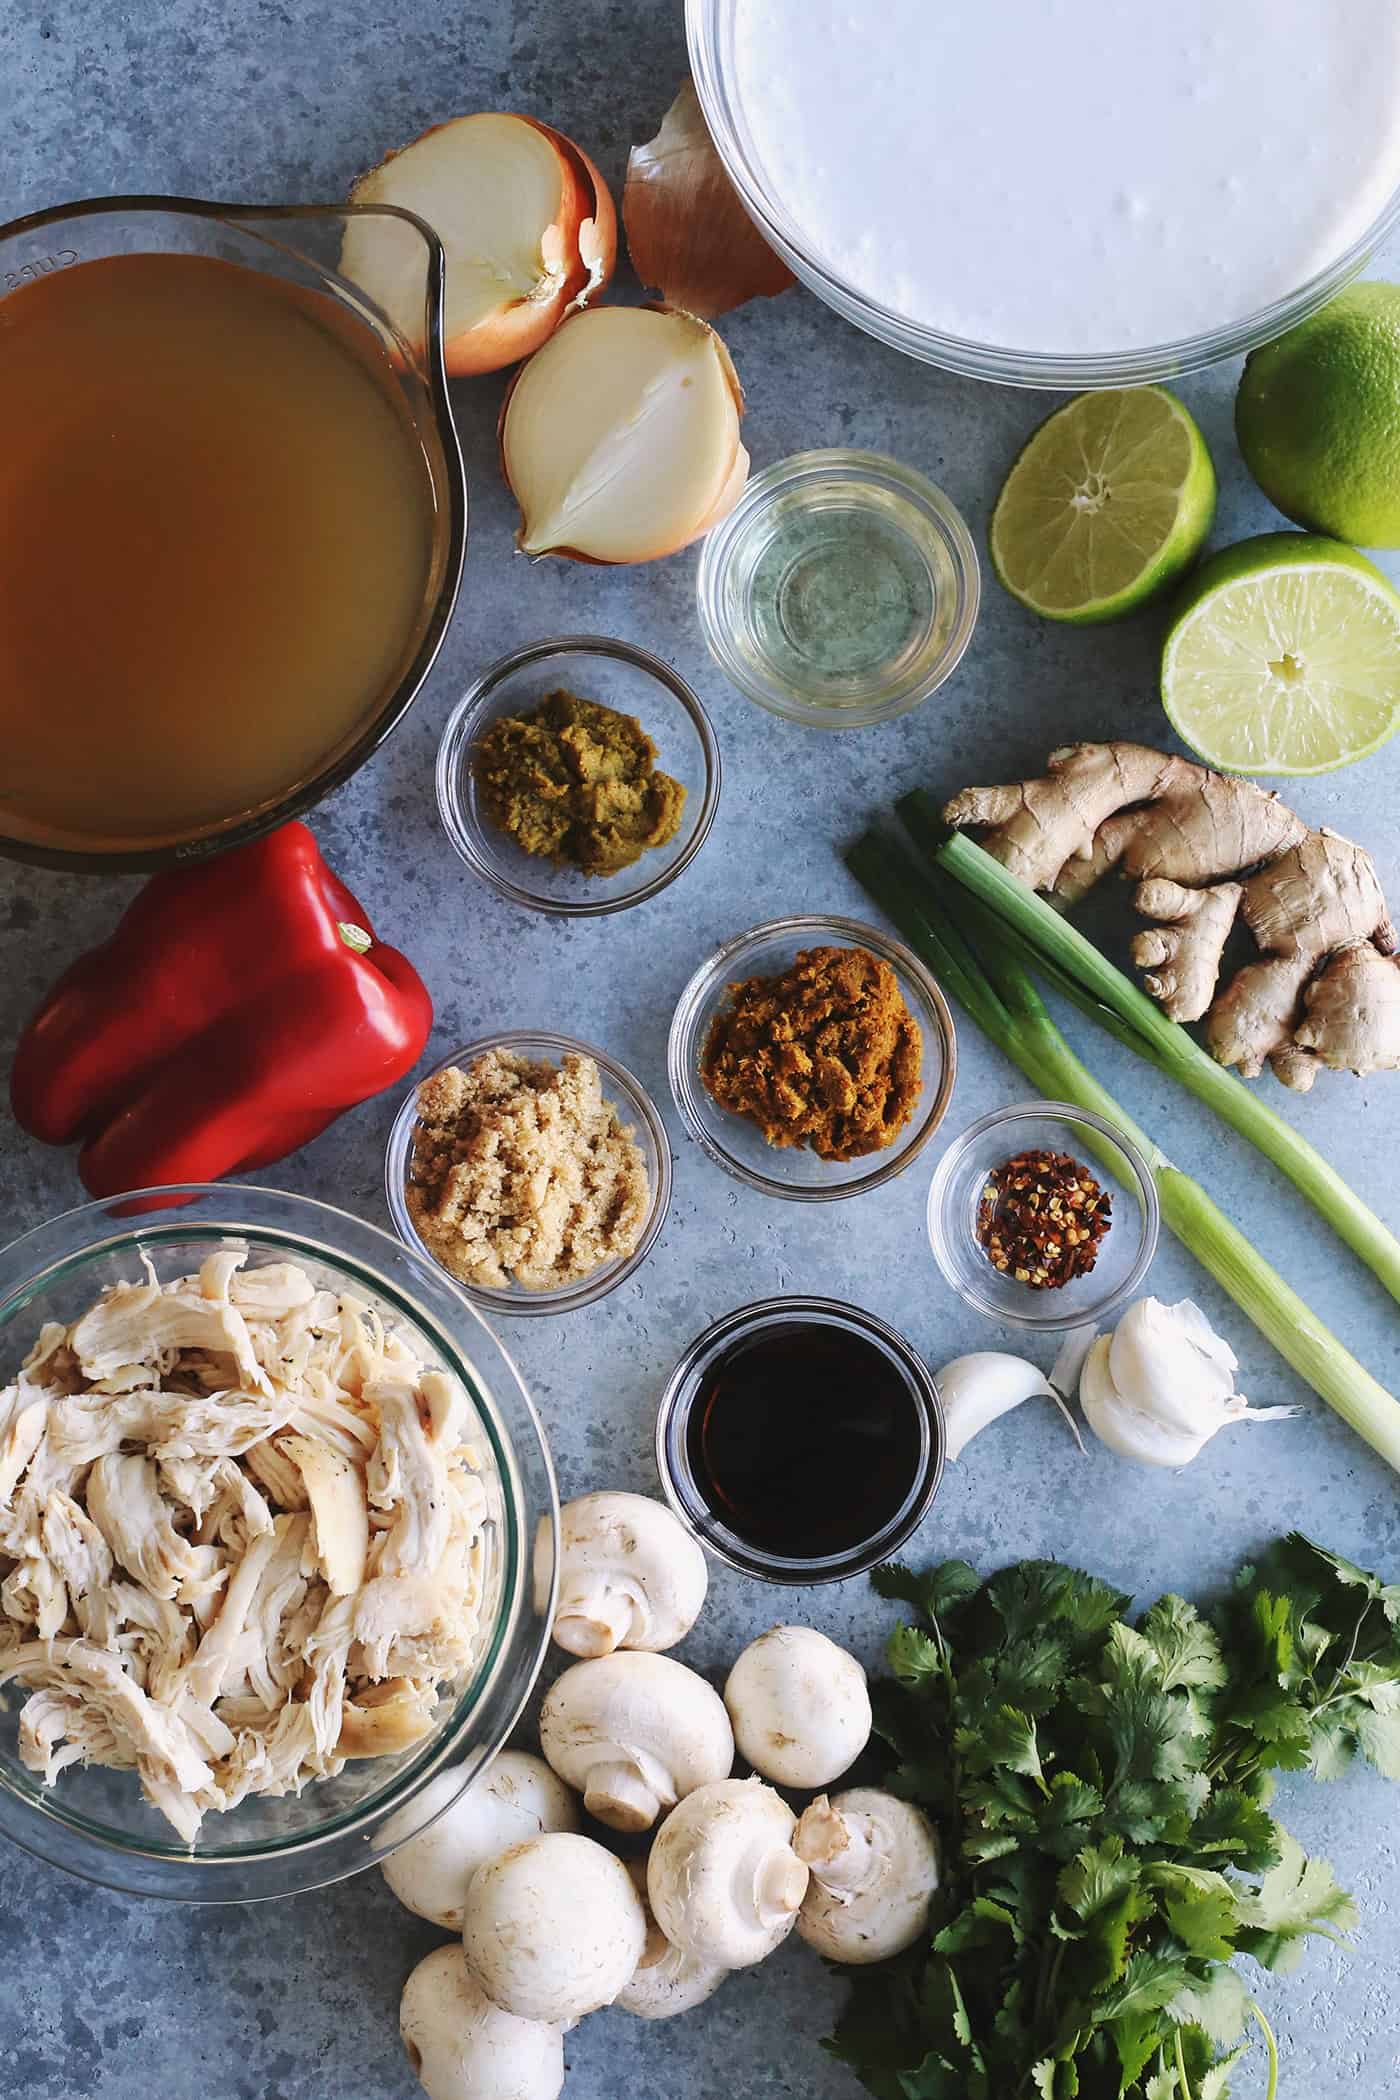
(927, 1780)
(1200, 1908)
(1150, 1734)
(1237, 1830)
(1137, 2037)
(1378, 1733)
(1214, 2000)
(944, 2012)
(1297, 1897)
(1006, 1738)
(931, 1595)
(1097, 1876)
(1347, 1573)
(1032, 1595)
(934, 2079)
(1102, 1954)
(1148, 1984)
(1375, 1681)
(1214, 2084)
(1063, 1821)
(899, 1720)
(1331, 1743)
(1186, 1646)
(983, 1923)
(914, 1657)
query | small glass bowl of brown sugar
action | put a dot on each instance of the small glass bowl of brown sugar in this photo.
(534, 1170)
(741, 990)
(1043, 1216)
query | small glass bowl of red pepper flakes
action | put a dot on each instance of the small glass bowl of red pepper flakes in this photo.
(1041, 1219)
(1000, 1182)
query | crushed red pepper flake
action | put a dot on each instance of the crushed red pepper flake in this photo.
(1041, 1217)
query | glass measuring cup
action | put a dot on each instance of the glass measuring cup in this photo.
(305, 246)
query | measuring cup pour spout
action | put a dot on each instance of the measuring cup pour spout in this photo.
(373, 277)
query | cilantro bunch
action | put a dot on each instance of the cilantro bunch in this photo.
(1101, 1790)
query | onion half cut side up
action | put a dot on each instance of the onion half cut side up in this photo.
(620, 438)
(525, 219)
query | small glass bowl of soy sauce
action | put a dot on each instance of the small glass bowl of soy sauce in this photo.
(800, 1440)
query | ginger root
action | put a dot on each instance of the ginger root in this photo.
(1326, 987)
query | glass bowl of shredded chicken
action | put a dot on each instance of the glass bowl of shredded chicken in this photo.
(268, 1489)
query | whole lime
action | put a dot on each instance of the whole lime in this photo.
(1318, 418)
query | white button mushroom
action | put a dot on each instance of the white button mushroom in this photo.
(874, 1863)
(668, 1980)
(724, 1882)
(635, 1734)
(462, 2047)
(800, 1707)
(630, 1575)
(515, 1797)
(553, 1928)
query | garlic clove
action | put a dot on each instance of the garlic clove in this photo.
(527, 226)
(620, 437)
(1069, 1362)
(688, 235)
(1198, 1330)
(979, 1388)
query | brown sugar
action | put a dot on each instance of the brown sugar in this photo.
(523, 1172)
(826, 1055)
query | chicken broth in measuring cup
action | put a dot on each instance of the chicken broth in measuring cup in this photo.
(216, 546)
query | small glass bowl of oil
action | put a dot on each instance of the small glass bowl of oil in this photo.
(840, 591)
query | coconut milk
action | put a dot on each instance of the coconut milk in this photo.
(1074, 176)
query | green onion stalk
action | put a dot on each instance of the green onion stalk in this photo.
(1077, 968)
(993, 984)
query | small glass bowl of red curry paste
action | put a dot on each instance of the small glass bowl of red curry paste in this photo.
(960, 1190)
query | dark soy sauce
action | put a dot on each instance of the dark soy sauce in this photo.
(805, 1440)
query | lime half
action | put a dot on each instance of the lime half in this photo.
(1109, 502)
(1285, 657)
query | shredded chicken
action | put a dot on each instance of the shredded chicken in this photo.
(241, 1538)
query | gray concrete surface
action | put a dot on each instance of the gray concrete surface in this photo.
(107, 1999)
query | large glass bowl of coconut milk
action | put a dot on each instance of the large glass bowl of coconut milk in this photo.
(1061, 193)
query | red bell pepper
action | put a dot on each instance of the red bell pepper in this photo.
(240, 1006)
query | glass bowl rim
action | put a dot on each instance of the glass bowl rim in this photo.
(1139, 1178)
(301, 798)
(340, 1846)
(803, 930)
(943, 518)
(515, 1302)
(456, 735)
(777, 1569)
(1062, 371)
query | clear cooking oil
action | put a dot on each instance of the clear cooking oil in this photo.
(841, 590)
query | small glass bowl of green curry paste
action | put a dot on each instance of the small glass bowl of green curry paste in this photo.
(578, 776)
